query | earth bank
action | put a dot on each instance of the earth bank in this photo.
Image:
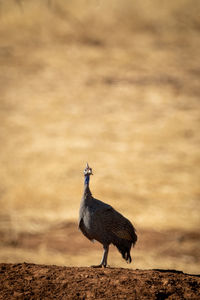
(31, 281)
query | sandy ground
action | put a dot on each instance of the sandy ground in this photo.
(29, 281)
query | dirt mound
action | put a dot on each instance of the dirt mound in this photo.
(30, 281)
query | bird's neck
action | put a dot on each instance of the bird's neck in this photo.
(87, 193)
(87, 180)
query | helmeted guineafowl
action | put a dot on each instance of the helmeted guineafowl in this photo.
(100, 221)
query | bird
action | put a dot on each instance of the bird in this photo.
(99, 221)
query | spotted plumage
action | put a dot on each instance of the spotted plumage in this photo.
(100, 221)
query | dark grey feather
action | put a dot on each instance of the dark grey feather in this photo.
(100, 221)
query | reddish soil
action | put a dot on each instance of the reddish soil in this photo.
(31, 281)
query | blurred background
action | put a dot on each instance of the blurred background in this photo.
(115, 83)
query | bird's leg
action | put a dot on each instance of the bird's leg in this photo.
(104, 258)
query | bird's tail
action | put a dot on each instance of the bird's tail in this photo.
(124, 247)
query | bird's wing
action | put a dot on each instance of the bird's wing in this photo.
(122, 233)
(117, 223)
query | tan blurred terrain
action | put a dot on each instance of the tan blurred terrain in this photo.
(114, 83)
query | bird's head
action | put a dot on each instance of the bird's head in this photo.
(88, 170)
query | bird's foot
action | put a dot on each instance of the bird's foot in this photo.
(98, 266)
